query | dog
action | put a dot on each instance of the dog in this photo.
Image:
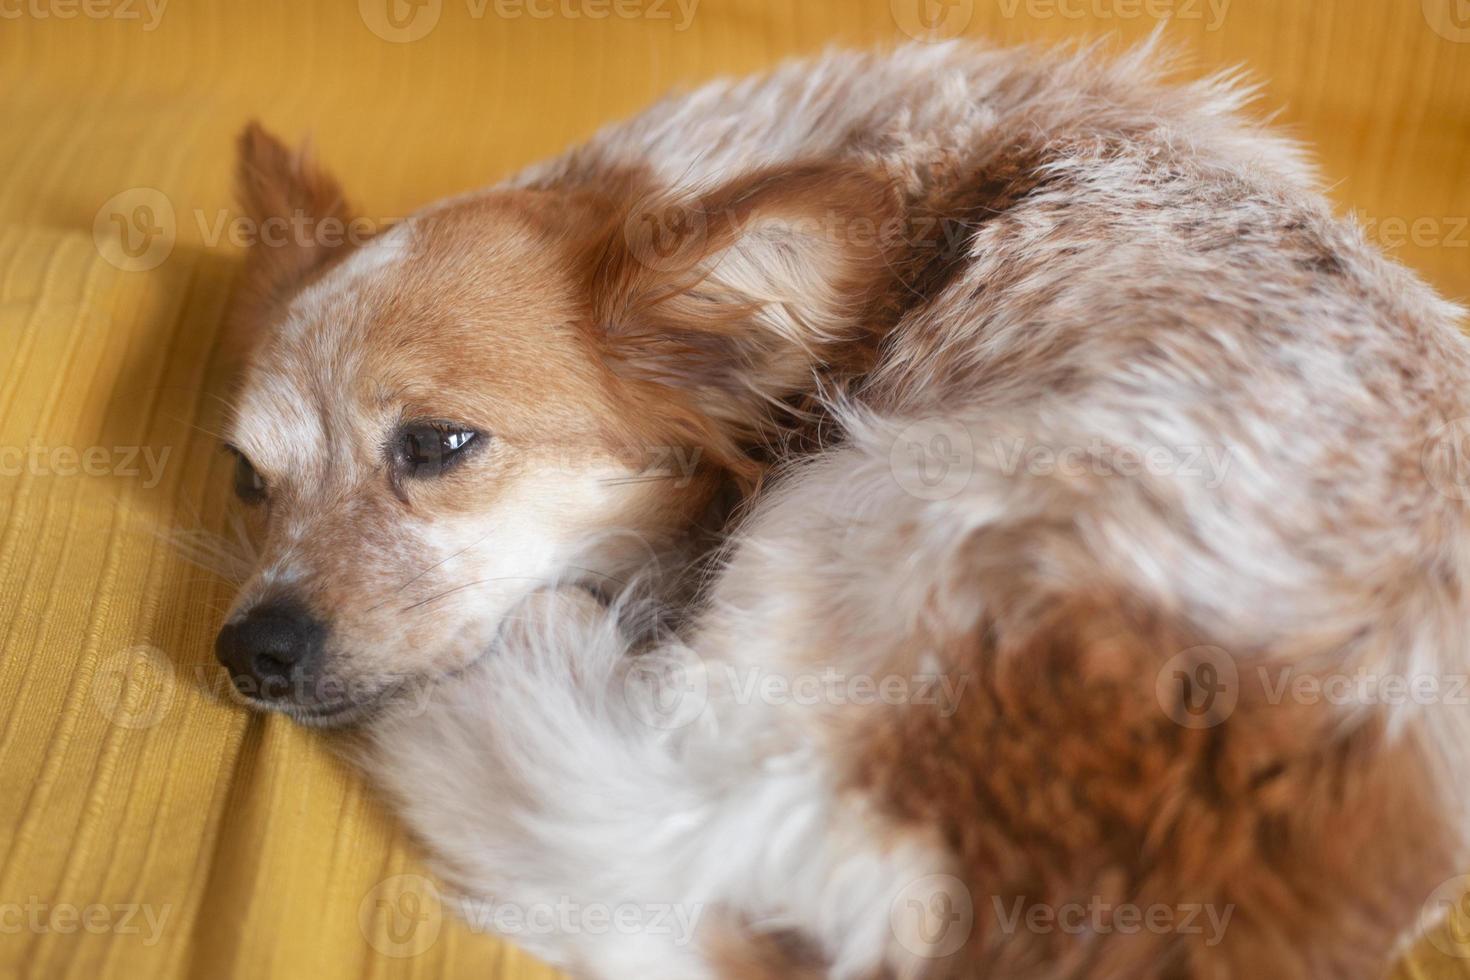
(901, 515)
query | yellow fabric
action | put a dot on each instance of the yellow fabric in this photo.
(121, 779)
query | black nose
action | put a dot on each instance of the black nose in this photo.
(273, 647)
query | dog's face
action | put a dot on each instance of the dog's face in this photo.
(422, 443)
(499, 392)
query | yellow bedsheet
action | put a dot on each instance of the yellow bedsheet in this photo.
(151, 829)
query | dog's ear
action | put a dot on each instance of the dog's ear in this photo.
(742, 297)
(296, 217)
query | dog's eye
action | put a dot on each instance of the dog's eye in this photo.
(431, 448)
(249, 486)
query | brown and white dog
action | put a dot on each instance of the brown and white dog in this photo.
(1065, 455)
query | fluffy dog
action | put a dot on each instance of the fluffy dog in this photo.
(1060, 453)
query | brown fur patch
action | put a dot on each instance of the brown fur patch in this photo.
(1061, 783)
(674, 315)
(942, 226)
(743, 954)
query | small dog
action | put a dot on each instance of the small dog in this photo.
(908, 514)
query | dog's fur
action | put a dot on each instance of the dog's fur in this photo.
(1090, 262)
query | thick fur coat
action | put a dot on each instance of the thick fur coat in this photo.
(1082, 448)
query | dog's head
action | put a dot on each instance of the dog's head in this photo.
(505, 389)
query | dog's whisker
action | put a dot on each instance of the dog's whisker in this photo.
(621, 481)
(198, 428)
(212, 552)
(467, 585)
(621, 583)
(443, 561)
